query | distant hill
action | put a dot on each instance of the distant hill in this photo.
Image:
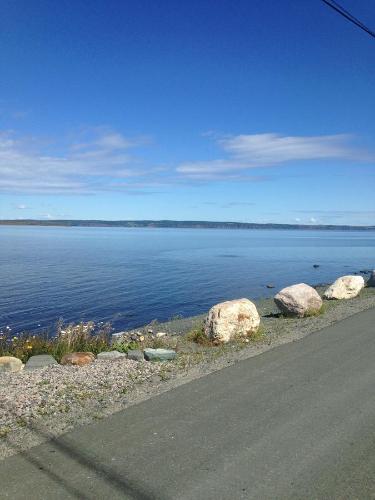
(178, 224)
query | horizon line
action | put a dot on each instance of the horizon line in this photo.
(170, 223)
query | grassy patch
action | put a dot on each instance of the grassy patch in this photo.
(198, 336)
(84, 337)
(125, 346)
(310, 313)
(4, 431)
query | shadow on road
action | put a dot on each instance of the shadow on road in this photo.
(103, 473)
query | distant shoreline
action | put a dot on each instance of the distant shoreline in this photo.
(179, 224)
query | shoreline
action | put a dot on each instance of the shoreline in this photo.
(45, 403)
(180, 224)
(182, 323)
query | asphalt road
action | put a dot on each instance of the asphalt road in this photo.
(295, 422)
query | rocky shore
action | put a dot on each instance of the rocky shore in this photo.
(38, 404)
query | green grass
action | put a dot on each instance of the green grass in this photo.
(84, 337)
(124, 347)
(198, 336)
(312, 313)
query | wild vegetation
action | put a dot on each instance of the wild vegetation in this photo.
(68, 338)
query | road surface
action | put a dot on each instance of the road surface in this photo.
(295, 422)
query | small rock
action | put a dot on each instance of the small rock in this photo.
(110, 355)
(161, 334)
(150, 330)
(40, 361)
(77, 358)
(10, 364)
(141, 338)
(135, 355)
(159, 354)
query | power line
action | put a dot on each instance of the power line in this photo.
(335, 6)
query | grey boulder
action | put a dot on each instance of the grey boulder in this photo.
(135, 355)
(40, 361)
(110, 355)
(159, 354)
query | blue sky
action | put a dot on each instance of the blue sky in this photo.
(203, 110)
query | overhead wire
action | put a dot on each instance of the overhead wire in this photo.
(345, 13)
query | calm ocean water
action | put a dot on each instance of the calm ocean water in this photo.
(132, 276)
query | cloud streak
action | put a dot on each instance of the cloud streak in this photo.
(101, 159)
(246, 152)
(85, 167)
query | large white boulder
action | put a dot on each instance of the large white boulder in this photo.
(230, 319)
(298, 300)
(345, 287)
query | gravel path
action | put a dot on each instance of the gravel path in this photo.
(35, 405)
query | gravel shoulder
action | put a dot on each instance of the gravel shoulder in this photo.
(36, 406)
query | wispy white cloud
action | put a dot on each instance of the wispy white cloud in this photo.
(270, 149)
(86, 167)
(101, 159)
(245, 152)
